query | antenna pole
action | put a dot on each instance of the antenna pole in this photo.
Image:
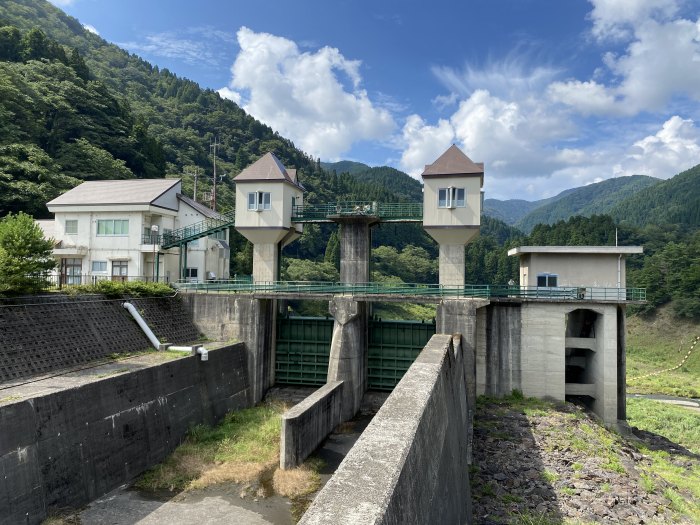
(213, 193)
(196, 174)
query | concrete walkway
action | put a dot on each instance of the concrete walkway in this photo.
(685, 402)
(214, 506)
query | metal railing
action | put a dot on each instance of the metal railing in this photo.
(387, 212)
(59, 281)
(420, 290)
(198, 230)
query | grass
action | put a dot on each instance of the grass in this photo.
(680, 471)
(659, 342)
(240, 449)
(243, 448)
(675, 423)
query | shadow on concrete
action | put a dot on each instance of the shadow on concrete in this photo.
(509, 481)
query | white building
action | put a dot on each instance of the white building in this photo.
(113, 229)
(266, 195)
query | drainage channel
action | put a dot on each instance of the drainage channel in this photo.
(228, 503)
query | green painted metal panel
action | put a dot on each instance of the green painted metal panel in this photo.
(303, 347)
(393, 346)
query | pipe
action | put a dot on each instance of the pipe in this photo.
(146, 330)
(194, 350)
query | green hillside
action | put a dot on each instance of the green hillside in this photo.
(673, 201)
(594, 199)
(345, 166)
(509, 211)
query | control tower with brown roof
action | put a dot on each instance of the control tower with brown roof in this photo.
(452, 209)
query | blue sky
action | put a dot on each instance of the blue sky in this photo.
(550, 94)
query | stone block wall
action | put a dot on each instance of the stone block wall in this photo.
(51, 334)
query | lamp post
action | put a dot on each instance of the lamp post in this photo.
(154, 238)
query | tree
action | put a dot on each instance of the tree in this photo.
(25, 255)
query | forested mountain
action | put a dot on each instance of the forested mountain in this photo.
(673, 201)
(74, 107)
(509, 211)
(593, 199)
(345, 166)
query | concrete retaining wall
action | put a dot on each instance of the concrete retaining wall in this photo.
(308, 423)
(72, 446)
(46, 335)
(410, 464)
(226, 317)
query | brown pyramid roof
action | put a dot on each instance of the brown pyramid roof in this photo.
(268, 168)
(453, 162)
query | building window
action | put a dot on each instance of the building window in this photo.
(548, 280)
(71, 227)
(259, 200)
(120, 270)
(71, 270)
(451, 197)
(113, 227)
(191, 274)
(99, 266)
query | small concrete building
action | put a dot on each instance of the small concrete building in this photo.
(452, 209)
(586, 266)
(562, 336)
(266, 194)
(112, 229)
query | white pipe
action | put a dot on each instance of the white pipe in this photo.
(194, 350)
(204, 353)
(146, 330)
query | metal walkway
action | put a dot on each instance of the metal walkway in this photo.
(382, 211)
(412, 291)
(198, 230)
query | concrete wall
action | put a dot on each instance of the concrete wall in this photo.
(347, 361)
(409, 465)
(226, 317)
(308, 423)
(575, 269)
(60, 451)
(502, 359)
(44, 336)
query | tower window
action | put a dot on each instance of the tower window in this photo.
(451, 197)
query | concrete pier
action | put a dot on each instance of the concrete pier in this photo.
(355, 248)
(348, 358)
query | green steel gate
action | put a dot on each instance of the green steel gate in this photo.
(393, 346)
(303, 347)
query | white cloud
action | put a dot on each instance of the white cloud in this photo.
(661, 61)
(587, 97)
(172, 45)
(423, 143)
(230, 94)
(91, 29)
(314, 98)
(674, 148)
(616, 19)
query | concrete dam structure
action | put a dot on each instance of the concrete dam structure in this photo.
(557, 334)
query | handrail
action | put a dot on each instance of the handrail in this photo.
(386, 211)
(198, 230)
(486, 291)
